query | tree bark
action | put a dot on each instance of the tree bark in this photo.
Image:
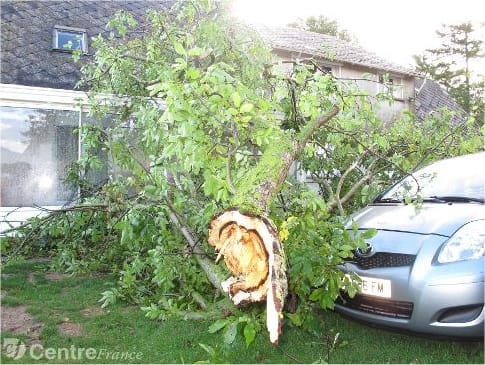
(248, 240)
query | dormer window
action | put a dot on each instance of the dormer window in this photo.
(69, 39)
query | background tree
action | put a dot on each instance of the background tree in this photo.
(199, 127)
(323, 25)
(451, 65)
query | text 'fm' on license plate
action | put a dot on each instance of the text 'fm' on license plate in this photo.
(375, 287)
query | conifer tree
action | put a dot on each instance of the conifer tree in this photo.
(451, 65)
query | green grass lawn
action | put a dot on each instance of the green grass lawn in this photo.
(121, 333)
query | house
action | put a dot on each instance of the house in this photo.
(40, 107)
(347, 62)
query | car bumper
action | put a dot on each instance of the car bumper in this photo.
(441, 306)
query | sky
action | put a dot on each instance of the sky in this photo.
(395, 30)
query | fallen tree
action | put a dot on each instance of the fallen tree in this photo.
(248, 239)
(203, 92)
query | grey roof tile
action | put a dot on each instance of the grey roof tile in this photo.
(327, 47)
(430, 97)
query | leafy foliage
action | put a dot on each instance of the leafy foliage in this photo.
(195, 101)
(324, 25)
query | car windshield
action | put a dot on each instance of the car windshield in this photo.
(458, 179)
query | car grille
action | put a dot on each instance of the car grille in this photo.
(382, 259)
(381, 306)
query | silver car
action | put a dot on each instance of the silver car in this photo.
(424, 269)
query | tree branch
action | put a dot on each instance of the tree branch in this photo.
(342, 180)
(307, 132)
(337, 201)
(201, 257)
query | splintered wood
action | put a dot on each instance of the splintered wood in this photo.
(252, 252)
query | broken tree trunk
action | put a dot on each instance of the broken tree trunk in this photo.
(247, 238)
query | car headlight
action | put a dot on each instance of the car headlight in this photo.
(467, 243)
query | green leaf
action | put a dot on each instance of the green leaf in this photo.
(246, 108)
(155, 88)
(193, 73)
(108, 298)
(212, 184)
(369, 233)
(179, 48)
(232, 111)
(317, 295)
(196, 51)
(236, 99)
(217, 325)
(150, 189)
(249, 333)
(209, 349)
(295, 318)
(230, 333)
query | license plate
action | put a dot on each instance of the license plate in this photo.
(375, 287)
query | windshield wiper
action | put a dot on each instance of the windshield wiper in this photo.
(454, 199)
(388, 200)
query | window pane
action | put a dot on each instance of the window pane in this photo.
(96, 177)
(37, 146)
(69, 40)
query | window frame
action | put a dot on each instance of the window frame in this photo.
(391, 84)
(20, 96)
(77, 31)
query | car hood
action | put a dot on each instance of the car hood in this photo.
(429, 218)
